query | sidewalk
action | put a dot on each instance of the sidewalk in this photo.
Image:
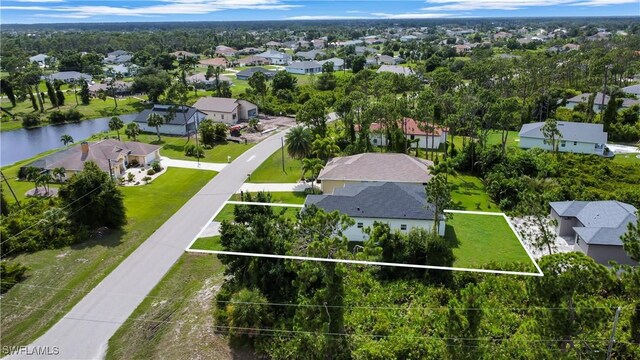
(188, 164)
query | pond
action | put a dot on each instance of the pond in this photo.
(22, 144)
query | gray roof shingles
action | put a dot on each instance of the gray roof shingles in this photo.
(380, 167)
(377, 200)
(162, 110)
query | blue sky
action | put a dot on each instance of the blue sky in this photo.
(58, 11)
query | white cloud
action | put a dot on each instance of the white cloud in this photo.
(412, 15)
(353, 11)
(464, 5)
(325, 17)
(165, 7)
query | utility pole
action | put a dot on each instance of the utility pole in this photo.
(613, 333)
(110, 170)
(282, 152)
(10, 189)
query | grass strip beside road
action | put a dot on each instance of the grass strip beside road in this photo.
(59, 278)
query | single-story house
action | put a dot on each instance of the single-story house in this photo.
(226, 110)
(318, 43)
(598, 103)
(304, 67)
(225, 50)
(596, 227)
(633, 89)
(200, 80)
(338, 64)
(396, 69)
(121, 88)
(462, 49)
(273, 44)
(215, 62)
(247, 73)
(112, 156)
(68, 76)
(253, 60)
(182, 120)
(276, 57)
(388, 60)
(578, 138)
(182, 54)
(249, 51)
(403, 206)
(118, 57)
(310, 55)
(428, 137)
(121, 70)
(41, 59)
(363, 50)
(373, 167)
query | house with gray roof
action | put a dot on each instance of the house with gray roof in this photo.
(41, 59)
(226, 110)
(304, 67)
(577, 138)
(112, 156)
(373, 167)
(633, 89)
(118, 57)
(403, 206)
(396, 69)
(310, 55)
(276, 57)
(600, 101)
(247, 73)
(179, 120)
(68, 76)
(338, 64)
(596, 227)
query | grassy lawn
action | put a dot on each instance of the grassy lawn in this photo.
(59, 278)
(96, 108)
(207, 243)
(20, 187)
(296, 197)
(173, 147)
(175, 321)
(467, 193)
(270, 171)
(478, 240)
(627, 158)
(227, 212)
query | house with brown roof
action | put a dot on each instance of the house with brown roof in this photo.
(425, 135)
(112, 156)
(225, 50)
(182, 54)
(253, 60)
(373, 167)
(226, 110)
(215, 62)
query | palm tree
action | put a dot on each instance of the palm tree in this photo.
(324, 148)
(66, 139)
(116, 124)
(132, 131)
(313, 166)
(60, 173)
(299, 141)
(44, 178)
(156, 121)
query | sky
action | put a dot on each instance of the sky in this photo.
(77, 11)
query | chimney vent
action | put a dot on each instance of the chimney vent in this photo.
(85, 148)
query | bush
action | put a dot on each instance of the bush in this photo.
(156, 166)
(30, 120)
(134, 163)
(193, 150)
(57, 117)
(11, 274)
(130, 177)
(146, 179)
(73, 115)
(151, 172)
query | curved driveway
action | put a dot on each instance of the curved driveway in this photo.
(85, 331)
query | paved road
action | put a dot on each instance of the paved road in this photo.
(84, 332)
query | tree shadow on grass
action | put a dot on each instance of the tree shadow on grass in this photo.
(451, 237)
(103, 237)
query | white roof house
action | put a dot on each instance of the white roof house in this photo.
(338, 64)
(226, 110)
(633, 89)
(304, 67)
(579, 138)
(40, 59)
(396, 69)
(276, 57)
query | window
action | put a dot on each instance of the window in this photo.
(375, 141)
(403, 227)
(575, 143)
(563, 143)
(413, 137)
(359, 225)
(222, 117)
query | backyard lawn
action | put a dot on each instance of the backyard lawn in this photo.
(97, 108)
(207, 243)
(176, 320)
(270, 171)
(479, 240)
(59, 278)
(296, 197)
(468, 193)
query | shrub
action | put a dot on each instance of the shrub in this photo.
(73, 115)
(30, 120)
(11, 274)
(151, 172)
(57, 117)
(134, 163)
(146, 179)
(130, 177)
(156, 166)
(193, 150)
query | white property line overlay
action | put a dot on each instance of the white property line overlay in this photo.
(377, 263)
(264, 204)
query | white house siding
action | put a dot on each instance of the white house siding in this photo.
(225, 117)
(576, 147)
(425, 142)
(164, 129)
(306, 71)
(247, 110)
(605, 253)
(152, 157)
(354, 233)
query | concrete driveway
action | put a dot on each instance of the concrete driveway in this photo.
(84, 332)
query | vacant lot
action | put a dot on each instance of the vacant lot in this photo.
(59, 278)
(227, 212)
(468, 193)
(480, 240)
(176, 320)
(207, 243)
(270, 171)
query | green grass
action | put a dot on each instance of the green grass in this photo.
(227, 212)
(173, 147)
(270, 171)
(95, 109)
(21, 187)
(468, 193)
(59, 278)
(207, 243)
(479, 240)
(627, 158)
(175, 321)
(296, 197)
